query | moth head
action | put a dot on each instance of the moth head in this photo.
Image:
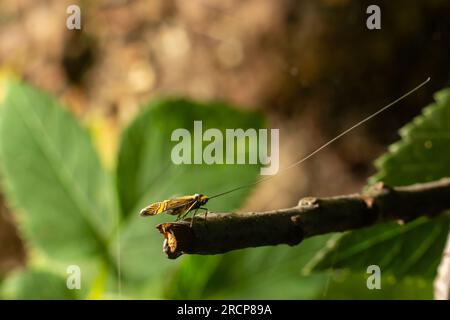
(201, 198)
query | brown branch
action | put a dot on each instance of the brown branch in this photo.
(224, 232)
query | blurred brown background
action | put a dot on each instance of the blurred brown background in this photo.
(311, 66)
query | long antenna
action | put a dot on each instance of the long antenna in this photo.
(330, 141)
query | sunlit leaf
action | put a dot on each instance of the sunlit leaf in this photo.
(53, 178)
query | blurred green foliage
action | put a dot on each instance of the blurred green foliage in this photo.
(33, 284)
(72, 211)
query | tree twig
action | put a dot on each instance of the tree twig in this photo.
(223, 232)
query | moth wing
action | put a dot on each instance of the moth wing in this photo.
(179, 205)
(151, 210)
(173, 206)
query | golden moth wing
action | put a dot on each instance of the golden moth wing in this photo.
(179, 202)
(175, 206)
(152, 209)
(179, 205)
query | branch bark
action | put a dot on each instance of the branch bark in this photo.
(223, 232)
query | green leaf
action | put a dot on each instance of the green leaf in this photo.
(146, 174)
(36, 284)
(413, 249)
(423, 154)
(53, 177)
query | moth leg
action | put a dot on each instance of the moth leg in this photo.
(206, 212)
(183, 215)
(192, 219)
(179, 216)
